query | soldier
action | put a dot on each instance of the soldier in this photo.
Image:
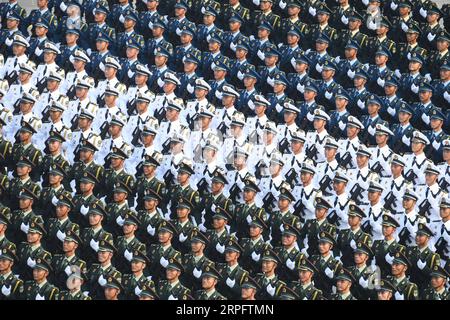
(401, 140)
(392, 101)
(386, 290)
(9, 7)
(316, 139)
(163, 52)
(363, 274)
(436, 136)
(249, 288)
(23, 181)
(43, 12)
(323, 15)
(74, 292)
(210, 278)
(424, 107)
(268, 280)
(112, 287)
(219, 235)
(410, 220)
(136, 282)
(184, 225)
(289, 254)
(305, 288)
(372, 224)
(437, 290)
(172, 288)
(437, 58)
(416, 162)
(344, 282)
(11, 285)
(99, 26)
(118, 13)
(150, 216)
(405, 289)
(39, 288)
(406, 50)
(118, 208)
(79, 60)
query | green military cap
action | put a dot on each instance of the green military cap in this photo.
(233, 245)
(289, 229)
(386, 285)
(147, 291)
(57, 169)
(210, 271)
(286, 194)
(132, 218)
(114, 281)
(43, 263)
(219, 177)
(4, 182)
(389, 220)
(185, 203)
(27, 127)
(287, 293)
(422, 229)
(186, 168)
(258, 222)
(440, 272)
(307, 265)
(167, 226)
(88, 177)
(9, 253)
(140, 255)
(326, 237)
(362, 247)
(122, 186)
(198, 236)
(152, 194)
(152, 159)
(106, 245)
(221, 213)
(355, 210)
(73, 236)
(118, 153)
(322, 203)
(250, 283)
(271, 255)
(65, 199)
(87, 145)
(5, 216)
(28, 194)
(56, 136)
(345, 274)
(97, 208)
(175, 264)
(25, 162)
(250, 185)
(400, 258)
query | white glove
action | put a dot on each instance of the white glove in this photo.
(182, 237)
(171, 297)
(164, 262)
(305, 250)
(63, 6)
(372, 25)
(89, 51)
(128, 255)
(421, 264)
(329, 273)
(202, 227)
(404, 27)
(120, 221)
(121, 18)
(426, 118)
(397, 73)
(380, 82)
(24, 227)
(391, 111)
(282, 4)
(84, 210)
(293, 62)
(394, 6)
(256, 2)
(197, 273)
(251, 104)
(447, 96)
(233, 46)
(151, 230)
(240, 75)
(388, 258)
(54, 200)
(255, 256)
(101, 280)
(351, 73)
(363, 282)
(8, 42)
(270, 81)
(137, 290)
(278, 107)
(68, 270)
(328, 95)
(94, 245)
(31, 262)
(341, 125)
(290, 264)
(281, 228)
(301, 88)
(353, 244)
(252, 38)
(360, 104)
(220, 248)
(39, 297)
(430, 36)
(203, 10)
(150, 25)
(414, 88)
(428, 77)
(190, 88)
(319, 67)
(160, 82)
(436, 145)
(409, 55)
(270, 290)
(344, 19)
(423, 12)
(230, 282)
(60, 235)
(371, 130)
(310, 116)
(365, 2)
(38, 51)
(130, 74)
(218, 94)
(399, 296)
(249, 219)
(312, 11)
(101, 65)
(261, 55)
(6, 290)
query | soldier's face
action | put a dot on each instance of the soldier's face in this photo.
(270, 61)
(268, 137)
(354, 24)
(208, 19)
(132, 53)
(293, 11)
(309, 95)
(322, 17)
(292, 39)
(354, 221)
(39, 274)
(18, 50)
(411, 37)
(360, 258)
(296, 146)
(62, 211)
(71, 38)
(398, 269)
(324, 247)
(234, 26)
(320, 213)
(111, 293)
(182, 212)
(52, 85)
(5, 265)
(11, 24)
(231, 256)
(182, 177)
(164, 236)
(388, 230)
(408, 203)
(444, 212)
(436, 124)
(150, 205)
(208, 282)
(216, 187)
(350, 53)
(240, 53)
(283, 204)
(137, 266)
(254, 231)
(69, 246)
(327, 74)
(129, 23)
(305, 276)
(404, 117)
(40, 31)
(119, 196)
(172, 274)
(421, 240)
(359, 81)
(86, 187)
(129, 228)
(197, 246)
(265, 5)
(189, 67)
(101, 45)
(372, 109)
(444, 74)
(249, 195)
(247, 293)
(389, 90)
(25, 203)
(414, 66)
(343, 285)
(95, 219)
(268, 266)
(103, 256)
(185, 38)
(110, 72)
(288, 239)
(263, 33)
(396, 169)
(384, 295)
(437, 282)
(403, 10)
(249, 82)
(425, 96)
(380, 59)
(319, 124)
(116, 163)
(23, 170)
(430, 178)
(218, 223)
(305, 177)
(114, 130)
(330, 153)
(374, 196)
(352, 131)
(99, 16)
(33, 237)
(25, 107)
(49, 57)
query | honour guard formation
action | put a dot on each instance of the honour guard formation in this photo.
(225, 149)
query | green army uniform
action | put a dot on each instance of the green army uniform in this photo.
(78, 170)
(431, 293)
(177, 192)
(210, 202)
(82, 203)
(328, 267)
(143, 184)
(160, 255)
(150, 221)
(45, 206)
(5, 152)
(67, 295)
(307, 291)
(30, 152)
(11, 287)
(344, 274)
(363, 276)
(272, 19)
(315, 30)
(111, 178)
(375, 43)
(173, 291)
(286, 25)
(48, 160)
(232, 278)
(228, 11)
(45, 291)
(405, 289)
(17, 185)
(210, 271)
(5, 218)
(311, 229)
(115, 211)
(405, 50)
(270, 287)
(216, 247)
(134, 286)
(184, 230)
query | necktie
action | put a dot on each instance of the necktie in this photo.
(168, 127)
(15, 62)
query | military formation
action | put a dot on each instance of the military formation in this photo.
(263, 149)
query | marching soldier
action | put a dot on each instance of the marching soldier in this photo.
(11, 285)
(172, 288)
(344, 282)
(39, 288)
(405, 289)
(361, 272)
(210, 278)
(437, 290)
(136, 282)
(305, 288)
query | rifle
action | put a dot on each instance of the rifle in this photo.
(355, 193)
(136, 136)
(377, 168)
(46, 114)
(166, 147)
(345, 160)
(441, 247)
(424, 207)
(101, 101)
(74, 123)
(283, 146)
(299, 207)
(410, 176)
(222, 128)
(234, 192)
(104, 130)
(259, 167)
(311, 152)
(159, 114)
(292, 177)
(16, 107)
(389, 201)
(131, 107)
(11, 77)
(42, 84)
(268, 201)
(324, 183)
(71, 92)
(202, 187)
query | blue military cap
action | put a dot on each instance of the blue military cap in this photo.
(191, 57)
(329, 65)
(266, 25)
(406, 108)
(323, 9)
(222, 65)
(243, 43)
(159, 22)
(42, 23)
(416, 58)
(294, 30)
(271, 50)
(251, 72)
(132, 15)
(13, 15)
(385, 22)
(73, 31)
(209, 10)
(342, 93)
(102, 36)
(164, 49)
(445, 66)
(311, 86)
(303, 59)
(437, 113)
(189, 28)
(382, 50)
(391, 81)
(374, 99)
(133, 43)
(323, 37)
(216, 37)
(280, 77)
(236, 17)
(101, 9)
(443, 36)
(352, 44)
(181, 5)
(425, 86)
